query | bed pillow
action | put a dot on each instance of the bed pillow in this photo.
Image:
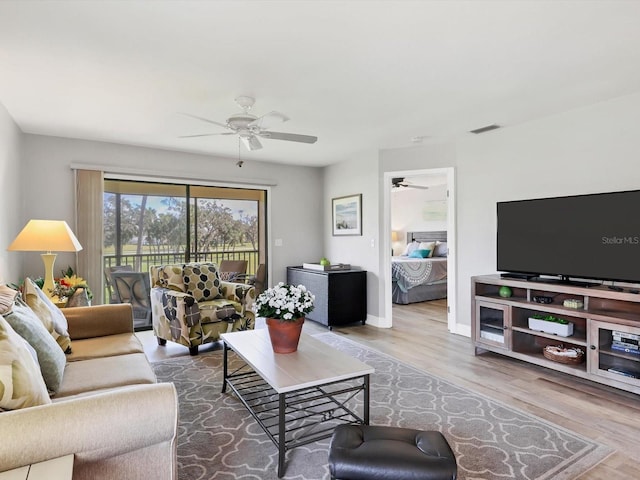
(428, 246)
(410, 248)
(441, 250)
(420, 253)
(21, 383)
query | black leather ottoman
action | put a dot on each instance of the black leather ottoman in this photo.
(365, 452)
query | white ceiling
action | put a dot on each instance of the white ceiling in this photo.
(360, 75)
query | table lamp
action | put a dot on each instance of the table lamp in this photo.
(48, 236)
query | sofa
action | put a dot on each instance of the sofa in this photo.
(191, 304)
(107, 409)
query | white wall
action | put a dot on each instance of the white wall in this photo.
(295, 201)
(408, 212)
(358, 175)
(10, 196)
(587, 150)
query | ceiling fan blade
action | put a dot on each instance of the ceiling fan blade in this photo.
(206, 135)
(269, 119)
(251, 142)
(205, 120)
(291, 137)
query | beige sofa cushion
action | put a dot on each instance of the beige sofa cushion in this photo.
(107, 372)
(107, 346)
(21, 384)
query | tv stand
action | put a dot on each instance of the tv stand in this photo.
(606, 319)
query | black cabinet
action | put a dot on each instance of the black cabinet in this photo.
(341, 296)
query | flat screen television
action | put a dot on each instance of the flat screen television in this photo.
(583, 236)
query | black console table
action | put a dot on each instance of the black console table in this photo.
(341, 295)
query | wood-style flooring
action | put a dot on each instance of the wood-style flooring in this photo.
(419, 337)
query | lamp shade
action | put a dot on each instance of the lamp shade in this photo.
(46, 236)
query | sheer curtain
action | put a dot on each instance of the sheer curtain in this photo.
(89, 198)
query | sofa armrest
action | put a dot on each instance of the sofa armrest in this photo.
(97, 428)
(99, 320)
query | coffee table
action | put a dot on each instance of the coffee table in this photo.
(297, 398)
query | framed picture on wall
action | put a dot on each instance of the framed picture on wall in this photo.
(347, 215)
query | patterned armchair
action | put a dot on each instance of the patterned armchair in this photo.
(191, 306)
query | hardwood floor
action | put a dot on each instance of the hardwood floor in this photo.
(419, 337)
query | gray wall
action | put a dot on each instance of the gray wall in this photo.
(295, 201)
(11, 199)
(356, 176)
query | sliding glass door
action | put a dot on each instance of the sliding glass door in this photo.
(149, 223)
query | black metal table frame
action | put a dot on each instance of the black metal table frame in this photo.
(307, 408)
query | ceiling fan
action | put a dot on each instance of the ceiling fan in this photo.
(399, 182)
(250, 128)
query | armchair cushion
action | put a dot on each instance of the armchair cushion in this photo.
(202, 281)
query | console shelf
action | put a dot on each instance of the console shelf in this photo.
(500, 324)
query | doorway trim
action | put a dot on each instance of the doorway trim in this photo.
(449, 172)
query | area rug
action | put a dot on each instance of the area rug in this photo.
(218, 439)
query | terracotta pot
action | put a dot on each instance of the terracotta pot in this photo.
(284, 335)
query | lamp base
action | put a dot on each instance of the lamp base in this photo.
(49, 259)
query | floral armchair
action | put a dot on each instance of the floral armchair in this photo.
(191, 306)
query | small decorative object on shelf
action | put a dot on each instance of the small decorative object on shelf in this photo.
(326, 267)
(284, 307)
(505, 292)
(573, 303)
(551, 324)
(571, 356)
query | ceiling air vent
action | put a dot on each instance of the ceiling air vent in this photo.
(488, 128)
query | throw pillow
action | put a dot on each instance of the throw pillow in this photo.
(7, 297)
(21, 383)
(51, 316)
(420, 253)
(202, 281)
(50, 356)
(228, 276)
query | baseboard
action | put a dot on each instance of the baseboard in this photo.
(464, 330)
(378, 322)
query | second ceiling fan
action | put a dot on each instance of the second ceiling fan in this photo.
(250, 128)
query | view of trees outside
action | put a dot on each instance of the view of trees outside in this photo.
(151, 224)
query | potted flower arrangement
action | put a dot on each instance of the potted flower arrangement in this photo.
(67, 285)
(284, 307)
(551, 324)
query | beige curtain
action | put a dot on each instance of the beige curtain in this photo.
(89, 193)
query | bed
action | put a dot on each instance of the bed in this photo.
(420, 279)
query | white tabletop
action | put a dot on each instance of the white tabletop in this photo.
(315, 362)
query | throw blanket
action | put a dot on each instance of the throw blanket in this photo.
(409, 272)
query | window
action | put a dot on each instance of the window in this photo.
(149, 223)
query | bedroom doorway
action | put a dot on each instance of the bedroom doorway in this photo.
(432, 191)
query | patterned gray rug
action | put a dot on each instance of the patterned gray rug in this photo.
(218, 439)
